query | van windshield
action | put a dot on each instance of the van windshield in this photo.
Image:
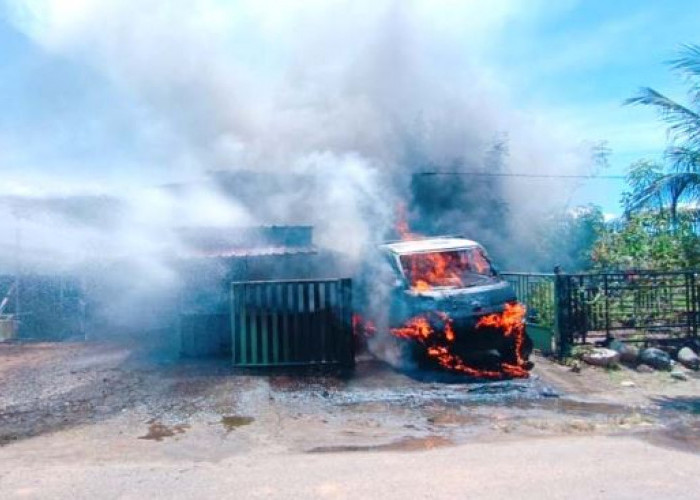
(447, 269)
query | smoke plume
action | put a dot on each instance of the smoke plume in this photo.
(353, 97)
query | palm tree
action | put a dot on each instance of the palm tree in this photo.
(680, 180)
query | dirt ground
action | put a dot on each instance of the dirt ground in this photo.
(108, 420)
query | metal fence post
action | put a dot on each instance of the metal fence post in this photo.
(694, 302)
(562, 320)
(606, 291)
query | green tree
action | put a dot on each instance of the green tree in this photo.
(649, 240)
(641, 178)
(679, 181)
(567, 238)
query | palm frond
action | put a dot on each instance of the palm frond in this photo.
(684, 123)
(650, 196)
(689, 62)
(670, 188)
(683, 159)
(679, 181)
(689, 65)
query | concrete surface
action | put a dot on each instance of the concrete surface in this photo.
(563, 467)
(101, 420)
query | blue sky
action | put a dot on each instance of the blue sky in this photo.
(580, 62)
(57, 114)
(572, 64)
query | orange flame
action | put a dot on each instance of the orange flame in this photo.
(421, 286)
(445, 269)
(439, 343)
(362, 327)
(428, 269)
(402, 227)
(510, 322)
(431, 269)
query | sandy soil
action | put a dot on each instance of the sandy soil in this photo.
(109, 420)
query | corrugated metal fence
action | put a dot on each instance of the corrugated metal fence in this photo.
(292, 323)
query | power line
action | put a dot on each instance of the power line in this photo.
(524, 174)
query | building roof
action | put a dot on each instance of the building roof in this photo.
(437, 244)
(253, 252)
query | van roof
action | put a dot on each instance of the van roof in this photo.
(436, 244)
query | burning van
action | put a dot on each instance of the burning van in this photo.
(449, 307)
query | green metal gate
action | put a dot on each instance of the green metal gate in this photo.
(537, 292)
(292, 323)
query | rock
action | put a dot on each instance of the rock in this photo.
(694, 344)
(687, 357)
(627, 383)
(576, 367)
(644, 368)
(548, 392)
(600, 356)
(656, 358)
(679, 375)
(628, 353)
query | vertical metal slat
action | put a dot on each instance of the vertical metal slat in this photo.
(291, 323)
(236, 300)
(245, 324)
(263, 314)
(275, 315)
(306, 315)
(296, 318)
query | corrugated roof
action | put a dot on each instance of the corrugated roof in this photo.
(252, 252)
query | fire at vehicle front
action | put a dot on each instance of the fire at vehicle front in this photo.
(461, 282)
(450, 298)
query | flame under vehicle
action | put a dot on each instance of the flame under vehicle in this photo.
(451, 305)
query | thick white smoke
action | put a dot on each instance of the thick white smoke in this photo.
(354, 94)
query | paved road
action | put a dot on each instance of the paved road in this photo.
(96, 420)
(557, 467)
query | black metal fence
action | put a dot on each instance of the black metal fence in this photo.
(645, 307)
(292, 323)
(642, 307)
